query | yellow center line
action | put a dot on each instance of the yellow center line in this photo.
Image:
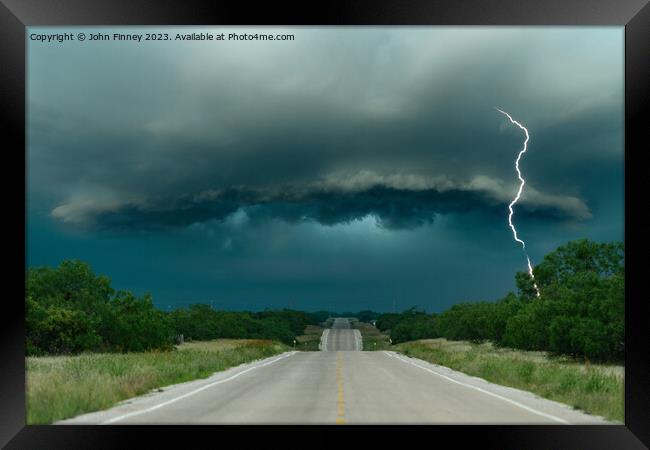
(340, 400)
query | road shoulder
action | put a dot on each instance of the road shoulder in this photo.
(544, 408)
(161, 397)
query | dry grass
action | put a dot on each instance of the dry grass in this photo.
(59, 387)
(594, 388)
(216, 345)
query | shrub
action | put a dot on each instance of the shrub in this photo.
(69, 309)
(581, 310)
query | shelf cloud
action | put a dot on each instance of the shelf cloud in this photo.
(398, 125)
(370, 150)
(396, 201)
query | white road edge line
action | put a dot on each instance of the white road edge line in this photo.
(323, 339)
(357, 341)
(534, 411)
(180, 397)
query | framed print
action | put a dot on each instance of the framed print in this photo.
(376, 214)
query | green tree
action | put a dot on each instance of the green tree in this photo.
(62, 330)
(137, 325)
(581, 311)
(503, 310)
(69, 309)
(388, 321)
(410, 325)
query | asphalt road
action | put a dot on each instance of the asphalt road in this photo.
(341, 338)
(340, 385)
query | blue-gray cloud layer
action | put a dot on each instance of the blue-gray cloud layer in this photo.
(337, 126)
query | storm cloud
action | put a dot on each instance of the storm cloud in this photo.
(397, 201)
(263, 124)
(394, 127)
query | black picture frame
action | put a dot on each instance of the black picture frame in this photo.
(15, 15)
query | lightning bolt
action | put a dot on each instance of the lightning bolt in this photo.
(516, 199)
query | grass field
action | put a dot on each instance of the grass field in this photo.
(373, 339)
(593, 388)
(310, 340)
(59, 387)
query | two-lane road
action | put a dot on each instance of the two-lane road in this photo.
(338, 385)
(341, 337)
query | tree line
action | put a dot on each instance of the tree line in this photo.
(70, 309)
(580, 311)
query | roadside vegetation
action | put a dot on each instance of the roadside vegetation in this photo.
(59, 387)
(310, 340)
(594, 388)
(580, 312)
(409, 325)
(201, 322)
(70, 309)
(372, 338)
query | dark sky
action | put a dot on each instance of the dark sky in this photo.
(347, 169)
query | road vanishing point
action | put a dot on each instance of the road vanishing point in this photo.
(341, 384)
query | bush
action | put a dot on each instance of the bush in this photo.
(580, 312)
(468, 321)
(69, 310)
(409, 325)
(200, 322)
(63, 330)
(388, 321)
(137, 325)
